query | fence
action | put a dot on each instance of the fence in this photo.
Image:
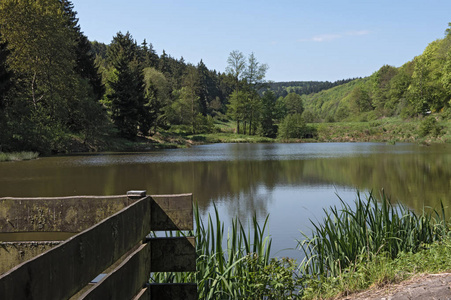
(112, 256)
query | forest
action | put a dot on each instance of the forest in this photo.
(282, 89)
(60, 92)
(420, 87)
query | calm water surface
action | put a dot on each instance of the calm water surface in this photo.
(290, 182)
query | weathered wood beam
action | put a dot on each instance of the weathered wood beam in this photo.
(173, 254)
(127, 280)
(67, 268)
(65, 214)
(172, 212)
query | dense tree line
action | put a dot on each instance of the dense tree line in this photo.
(49, 81)
(282, 89)
(418, 88)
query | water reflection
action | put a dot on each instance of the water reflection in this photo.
(292, 182)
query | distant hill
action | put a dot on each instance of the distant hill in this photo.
(420, 87)
(281, 89)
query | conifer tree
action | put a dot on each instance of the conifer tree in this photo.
(127, 99)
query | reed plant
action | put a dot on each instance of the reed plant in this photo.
(374, 226)
(223, 262)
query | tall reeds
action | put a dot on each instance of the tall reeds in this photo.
(223, 263)
(372, 227)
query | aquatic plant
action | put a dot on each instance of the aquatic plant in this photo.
(374, 226)
(222, 264)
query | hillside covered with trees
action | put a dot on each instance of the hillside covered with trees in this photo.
(418, 88)
(60, 92)
(283, 88)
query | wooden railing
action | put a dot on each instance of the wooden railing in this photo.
(110, 258)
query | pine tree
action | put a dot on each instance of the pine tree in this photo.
(127, 99)
(148, 56)
(85, 58)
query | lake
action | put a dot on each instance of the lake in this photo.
(292, 183)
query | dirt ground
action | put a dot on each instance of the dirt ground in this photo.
(426, 286)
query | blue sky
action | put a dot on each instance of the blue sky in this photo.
(299, 40)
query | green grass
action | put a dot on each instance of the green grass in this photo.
(223, 137)
(379, 270)
(17, 156)
(389, 130)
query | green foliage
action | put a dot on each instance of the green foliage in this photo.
(277, 280)
(372, 227)
(382, 87)
(294, 127)
(56, 85)
(220, 264)
(429, 126)
(360, 100)
(294, 104)
(417, 87)
(127, 97)
(268, 114)
(379, 270)
(157, 97)
(17, 156)
(282, 89)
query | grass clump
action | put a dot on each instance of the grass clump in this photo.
(372, 244)
(17, 156)
(372, 227)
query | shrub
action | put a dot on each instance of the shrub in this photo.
(293, 127)
(429, 126)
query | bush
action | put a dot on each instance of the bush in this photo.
(430, 126)
(276, 280)
(293, 126)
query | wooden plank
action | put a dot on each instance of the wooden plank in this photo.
(144, 294)
(172, 212)
(126, 280)
(65, 269)
(15, 253)
(176, 254)
(64, 214)
(186, 291)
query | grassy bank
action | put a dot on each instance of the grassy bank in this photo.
(17, 156)
(380, 270)
(353, 248)
(388, 130)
